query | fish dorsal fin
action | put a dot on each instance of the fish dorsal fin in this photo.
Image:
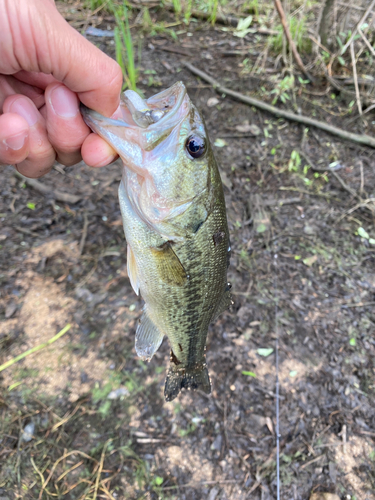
(169, 265)
(147, 337)
(131, 265)
(224, 303)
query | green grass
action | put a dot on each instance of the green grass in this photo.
(124, 48)
(298, 30)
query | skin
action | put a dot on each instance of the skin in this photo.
(46, 69)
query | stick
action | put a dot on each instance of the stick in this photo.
(292, 45)
(366, 41)
(362, 20)
(35, 349)
(359, 104)
(42, 188)
(288, 115)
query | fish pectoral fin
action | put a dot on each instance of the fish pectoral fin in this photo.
(224, 303)
(147, 337)
(186, 378)
(132, 269)
(169, 265)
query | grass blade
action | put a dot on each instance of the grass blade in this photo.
(35, 349)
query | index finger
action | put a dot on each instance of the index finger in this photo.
(61, 51)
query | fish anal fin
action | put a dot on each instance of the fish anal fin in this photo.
(224, 303)
(131, 266)
(147, 337)
(169, 265)
(186, 378)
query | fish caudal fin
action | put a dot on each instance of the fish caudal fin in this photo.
(147, 337)
(193, 378)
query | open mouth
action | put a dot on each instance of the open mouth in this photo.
(159, 111)
(156, 110)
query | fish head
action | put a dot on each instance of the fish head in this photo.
(165, 150)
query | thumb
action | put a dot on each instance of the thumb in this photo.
(37, 38)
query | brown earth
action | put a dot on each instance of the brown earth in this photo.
(133, 444)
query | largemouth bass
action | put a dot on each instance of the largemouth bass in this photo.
(174, 218)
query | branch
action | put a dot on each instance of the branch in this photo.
(292, 45)
(288, 115)
(362, 20)
(46, 190)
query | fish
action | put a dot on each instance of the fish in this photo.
(174, 217)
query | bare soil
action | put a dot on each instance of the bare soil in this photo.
(298, 269)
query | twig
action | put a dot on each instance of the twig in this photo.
(72, 452)
(335, 174)
(292, 45)
(288, 115)
(366, 41)
(35, 349)
(359, 104)
(100, 469)
(42, 188)
(84, 233)
(361, 21)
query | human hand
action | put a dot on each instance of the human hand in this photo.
(46, 68)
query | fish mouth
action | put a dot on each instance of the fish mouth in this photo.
(156, 114)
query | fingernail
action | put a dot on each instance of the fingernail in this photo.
(64, 102)
(17, 141)
(26, 109)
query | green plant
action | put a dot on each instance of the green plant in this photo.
(212, 9)
(177, 6)
(282, 88)
(125, 58)
(298, 31)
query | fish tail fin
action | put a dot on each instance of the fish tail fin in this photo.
(188, 378)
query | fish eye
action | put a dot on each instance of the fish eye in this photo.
(195, 146)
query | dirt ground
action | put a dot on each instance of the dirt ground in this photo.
(100, 427)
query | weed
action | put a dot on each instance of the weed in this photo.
(252, 6)
(212, 9)
(298, 30)
(125, 58)
(282, 88)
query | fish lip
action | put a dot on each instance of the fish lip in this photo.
(90, 114)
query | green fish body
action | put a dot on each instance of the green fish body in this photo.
(174, 218)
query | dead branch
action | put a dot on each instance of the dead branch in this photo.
(369, 46)
(43, 189)
(361, 21)
(292, 45)
(288, 115)
(358, 97)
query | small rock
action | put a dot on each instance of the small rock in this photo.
(121, 391)
(84, 294)
(11, 308)
(216, 445)
(212, 101)
(28, 432)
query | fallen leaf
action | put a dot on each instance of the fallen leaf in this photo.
(249, 374)
(265, 351)
(324, 496)
(220, 143)
(309, 261)
(248, 128)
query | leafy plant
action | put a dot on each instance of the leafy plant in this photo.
(282, 89)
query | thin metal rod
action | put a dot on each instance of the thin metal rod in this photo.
(277, 388)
